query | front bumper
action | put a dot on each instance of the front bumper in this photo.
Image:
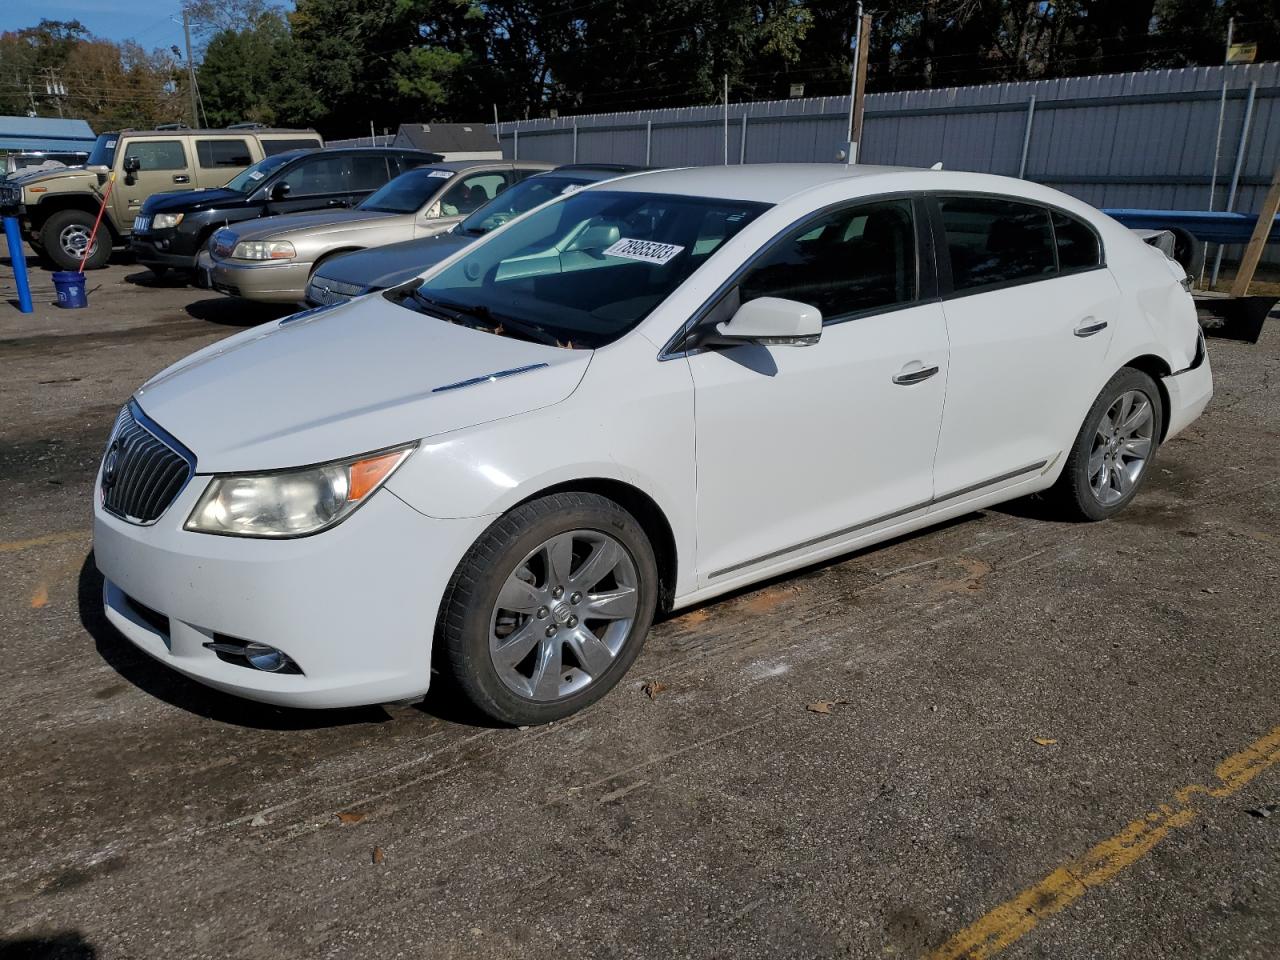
(354, 607)
(147, 250)
(266, 282)
(1189, 392)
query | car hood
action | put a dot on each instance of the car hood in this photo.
(66, 174)
(341, 381)
(395, 263)
(320, 222)
(191, 200)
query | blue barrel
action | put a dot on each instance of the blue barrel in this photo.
(70, 287)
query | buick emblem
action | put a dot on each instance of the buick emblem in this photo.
(110, 463)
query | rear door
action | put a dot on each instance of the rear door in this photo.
(218, 159)
(1029, 317)
(163, 166)
(368, 172)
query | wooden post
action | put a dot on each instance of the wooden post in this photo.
(1253, 252)
(860, 100)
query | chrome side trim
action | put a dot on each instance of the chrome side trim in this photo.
(488, 378)
(839, 534)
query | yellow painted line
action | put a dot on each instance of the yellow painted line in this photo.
(49, 539)
(1015, 918)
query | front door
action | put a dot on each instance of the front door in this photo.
(804, 447)
(1029, 323)
(163, 167)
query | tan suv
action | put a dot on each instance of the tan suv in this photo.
(58, 207)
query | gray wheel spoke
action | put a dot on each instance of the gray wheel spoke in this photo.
(604, 557)
(611, 605)
(511, 650)
(519, 596)
(590, 650)
(559, 558)
(1120, 476)
(1136, 447)
(1096, 461)
(1138, 415)
(545, 682)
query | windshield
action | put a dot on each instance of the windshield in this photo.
(103, 153)
(588, 269)
(521, 198)
(247, 180)
(407, 193)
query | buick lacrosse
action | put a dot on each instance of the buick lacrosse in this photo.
(631, 399)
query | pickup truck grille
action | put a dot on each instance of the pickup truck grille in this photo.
(141, 224)
(10, 195)
(142, 472)
(323, 292)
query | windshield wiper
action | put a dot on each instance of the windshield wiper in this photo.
(494, 321)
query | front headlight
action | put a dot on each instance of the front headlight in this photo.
(166, 221)
(292, 503)
(264, 250)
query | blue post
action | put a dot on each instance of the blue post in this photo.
(19, 260)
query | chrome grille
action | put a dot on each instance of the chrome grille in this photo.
(141, 224)
(323, 291)
(142, 471)
(10, 194)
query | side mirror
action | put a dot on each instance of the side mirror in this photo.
(771, 321)
(131, 167)
(280, 191)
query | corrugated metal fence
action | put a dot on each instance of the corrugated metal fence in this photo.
(1116, 140)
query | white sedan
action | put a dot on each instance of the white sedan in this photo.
(632, 399)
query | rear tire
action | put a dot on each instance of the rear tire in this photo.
(549, 608)
(64, 235)
(1112, 453)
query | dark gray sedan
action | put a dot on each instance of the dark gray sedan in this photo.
(350, 275)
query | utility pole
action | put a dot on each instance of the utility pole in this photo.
(726, 119)
(191, 68)
(858, 85)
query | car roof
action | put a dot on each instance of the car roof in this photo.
(760, 182)
(205, 132)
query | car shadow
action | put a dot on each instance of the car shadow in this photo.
(173, 688)
(234, 312)
(171, 280)
(69, 945)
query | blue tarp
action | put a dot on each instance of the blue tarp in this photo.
(1216, 226)
(44, 133)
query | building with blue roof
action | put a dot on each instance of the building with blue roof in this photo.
(50, 134)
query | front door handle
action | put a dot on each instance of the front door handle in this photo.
(914, 376)
(181, 178)
(1088, 327)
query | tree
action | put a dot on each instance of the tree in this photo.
(240, 77)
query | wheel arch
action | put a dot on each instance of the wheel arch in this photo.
(1157, 369)
(648, 514)
(47, 207)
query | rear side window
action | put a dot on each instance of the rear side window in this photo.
(368, 173)
(850, 261)
(318, 175)
(1077, 243)
(271, 147)
(223, 153)
(992, 241)
(158, 154)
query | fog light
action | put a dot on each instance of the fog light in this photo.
(265, 658)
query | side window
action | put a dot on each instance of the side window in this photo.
(158, 154)
(470, 193)
(848, 261)
(369, 172)
(318, 175)
(994, 241)
(1077, 243)
(271, 147)
(223, 153)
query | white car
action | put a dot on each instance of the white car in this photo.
(632, 399)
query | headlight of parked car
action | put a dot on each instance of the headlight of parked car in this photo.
(264, 250)
(164, 221)
(292, 503)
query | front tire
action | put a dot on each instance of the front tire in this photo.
(65, 235)
(549, 608)
(1113, 451)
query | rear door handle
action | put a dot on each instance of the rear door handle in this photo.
(181, 178)
(1088, 327)
(909, 377)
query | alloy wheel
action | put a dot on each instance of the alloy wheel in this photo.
(563, 615)
(74, 239)
(1122, 447)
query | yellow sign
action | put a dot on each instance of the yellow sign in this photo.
(1242, 53)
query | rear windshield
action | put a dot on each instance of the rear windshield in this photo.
(409, 192)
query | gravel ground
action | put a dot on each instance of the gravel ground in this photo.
(1017, 707)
